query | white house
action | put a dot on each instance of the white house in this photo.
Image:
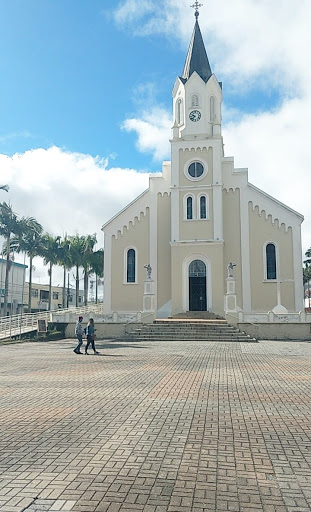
(16, 290)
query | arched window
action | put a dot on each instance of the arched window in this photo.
(203, 214)
(130, 266)
(271, 261)
(179, 111)
(189, 208)
(197, 268)
(194, 100)
(212, 109)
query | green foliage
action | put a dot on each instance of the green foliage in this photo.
(9, 225)
(306, 270)
(26, 235)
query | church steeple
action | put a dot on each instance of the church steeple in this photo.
(197, 59)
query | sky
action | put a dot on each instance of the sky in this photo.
(86, 106)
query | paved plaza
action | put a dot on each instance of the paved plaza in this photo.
(155, 427)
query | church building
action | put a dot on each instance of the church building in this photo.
(209, 240)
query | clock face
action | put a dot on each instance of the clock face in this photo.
(195, 115)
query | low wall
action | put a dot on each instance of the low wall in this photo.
(260, 331)
(277, 331)
(106, 330)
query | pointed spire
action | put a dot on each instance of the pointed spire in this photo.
(197, 58)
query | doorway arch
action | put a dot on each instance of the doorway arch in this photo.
(197, 283)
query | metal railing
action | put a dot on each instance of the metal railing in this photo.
(16, 325)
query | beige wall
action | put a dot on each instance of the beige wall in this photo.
(264, 293)
(277, 331)
(204, 155)
(129, 296)
(201, 229)
(232, 237)
(164, 249)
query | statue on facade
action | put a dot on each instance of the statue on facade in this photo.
(230, 268)
(149, 269)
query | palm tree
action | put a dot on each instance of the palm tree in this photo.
(81, 249)
(4, 187)
(76, 251)
(9, 225)
(65, 260)
(89, 242)
(97, 268)
(29, 241)
(50, 253)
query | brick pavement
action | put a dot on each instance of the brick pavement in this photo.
(155, 427)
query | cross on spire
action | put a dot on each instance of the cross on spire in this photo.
(196, 6)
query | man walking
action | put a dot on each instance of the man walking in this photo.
(79, 332)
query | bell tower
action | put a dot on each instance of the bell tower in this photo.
(197, 94)
(196, 177)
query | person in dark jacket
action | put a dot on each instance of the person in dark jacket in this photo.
(90, 336)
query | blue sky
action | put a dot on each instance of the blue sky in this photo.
(85, 100)
(72, 76)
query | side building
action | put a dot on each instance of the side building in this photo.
(16, 288)
(40, 297)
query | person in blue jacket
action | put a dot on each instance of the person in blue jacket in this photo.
(90, 336)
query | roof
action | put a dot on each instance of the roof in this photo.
(197, 59)
(13, 263)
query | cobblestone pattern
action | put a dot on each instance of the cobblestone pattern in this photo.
(155, 427)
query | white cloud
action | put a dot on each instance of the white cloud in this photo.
(250, 45)
(67, 192)
(153, 131)
(132, 10)
(244, 39)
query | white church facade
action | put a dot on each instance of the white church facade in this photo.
(213, 241)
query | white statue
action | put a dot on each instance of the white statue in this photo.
(230, 268)
(149, 269)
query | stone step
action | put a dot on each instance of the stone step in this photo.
(179, 338)
(189, 330)
(192, 321)
(197, 314)
(174, 335)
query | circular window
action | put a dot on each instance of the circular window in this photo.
(195, 170)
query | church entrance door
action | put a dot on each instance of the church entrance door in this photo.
(197, 286)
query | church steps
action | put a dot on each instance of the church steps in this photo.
(204, 330)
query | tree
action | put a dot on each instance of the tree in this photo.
(306, 271)
(29, 240)
(65, 260)
(50, 253)
(81, 249)
(97, 268)
(76, 251)
(89, 242)
(4, 187)
(9, 225)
